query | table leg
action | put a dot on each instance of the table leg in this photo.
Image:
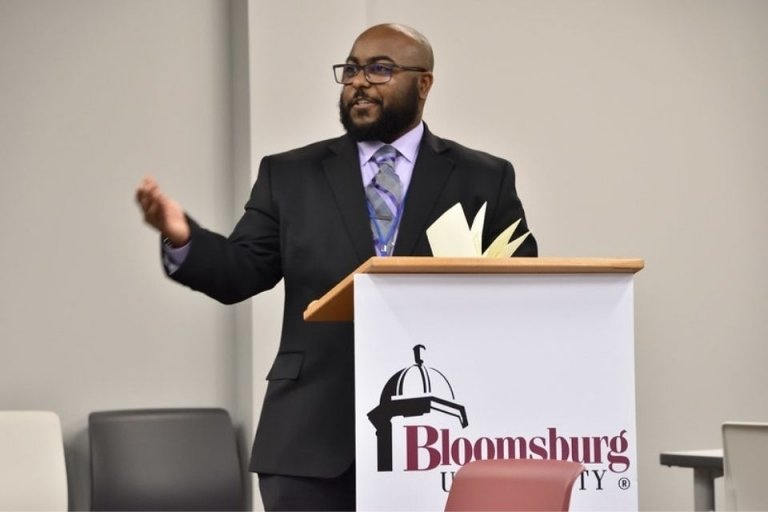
(704, 488)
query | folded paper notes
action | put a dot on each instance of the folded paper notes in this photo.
(451, 236)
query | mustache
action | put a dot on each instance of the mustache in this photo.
(361, 95)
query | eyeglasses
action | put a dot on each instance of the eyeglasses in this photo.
(375, 72)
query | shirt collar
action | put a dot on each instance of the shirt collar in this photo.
(407, 145)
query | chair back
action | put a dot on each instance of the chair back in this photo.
(164, 459)
(33, 472)
(745, 454)
(513, 485)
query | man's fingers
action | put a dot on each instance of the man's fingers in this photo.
(148, 182)
(162, 212)
(152, 202)
(146, 201)
(148, 194)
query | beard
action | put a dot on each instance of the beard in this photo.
(394, 120)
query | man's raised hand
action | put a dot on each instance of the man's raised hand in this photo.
(162, 213)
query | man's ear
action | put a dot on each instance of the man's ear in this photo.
(425, 84)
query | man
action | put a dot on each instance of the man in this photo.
(314, 215)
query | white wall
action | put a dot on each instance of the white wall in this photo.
(94, 94)
(637, 129)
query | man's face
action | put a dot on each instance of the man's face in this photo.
(369, 115)
(383, 111)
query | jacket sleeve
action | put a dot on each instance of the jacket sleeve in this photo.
(232, 269)
(509, 209)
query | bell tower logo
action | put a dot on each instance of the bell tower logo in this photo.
(412, 391)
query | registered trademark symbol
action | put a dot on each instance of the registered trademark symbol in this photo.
(624, 483)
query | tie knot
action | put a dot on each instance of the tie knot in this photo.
(385, 154)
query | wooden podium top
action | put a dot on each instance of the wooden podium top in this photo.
(337, 305)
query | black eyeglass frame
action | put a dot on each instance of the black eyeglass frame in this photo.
(339, 75)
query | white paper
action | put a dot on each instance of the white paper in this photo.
(451, 236)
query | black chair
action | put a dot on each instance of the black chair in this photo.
(164, 459)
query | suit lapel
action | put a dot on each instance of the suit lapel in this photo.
(430, 174)
(342, 169)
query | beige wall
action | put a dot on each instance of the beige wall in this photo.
(637, 129)
(93, 94)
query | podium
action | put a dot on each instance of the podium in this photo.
(458, 359)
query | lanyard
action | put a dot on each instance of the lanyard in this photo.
(385, 242)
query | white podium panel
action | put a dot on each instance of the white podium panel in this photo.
(452, 368)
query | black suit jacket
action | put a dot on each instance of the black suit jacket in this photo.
(306, 222)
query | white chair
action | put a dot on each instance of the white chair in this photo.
(33, 474)
(745, 454)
